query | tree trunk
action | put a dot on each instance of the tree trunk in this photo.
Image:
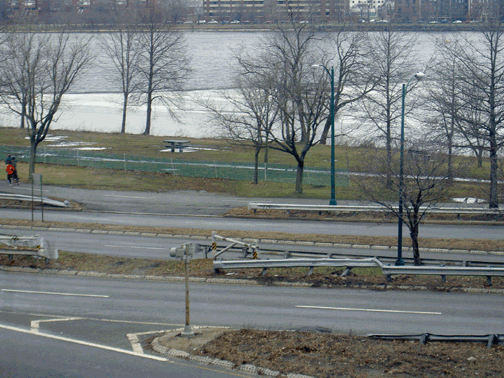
(479, 158)
(389, 159)
(414, 224)
(23, 116)
(124, 111)
(325, 132)
(494, 199)
(256, 164)
(33, 156)
(415, 247)
(299, 177)
(149, 114)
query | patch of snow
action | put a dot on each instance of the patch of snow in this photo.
(468, 200)
(92, 148)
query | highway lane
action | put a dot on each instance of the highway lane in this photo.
(291, 226)
(28, 355)
(341, 310)
(159, 247)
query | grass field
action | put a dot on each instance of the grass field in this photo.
(348, 158)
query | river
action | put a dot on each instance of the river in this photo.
(94, 103)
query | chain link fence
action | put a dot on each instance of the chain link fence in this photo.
(192, 168)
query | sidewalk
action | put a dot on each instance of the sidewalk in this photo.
(176, 202)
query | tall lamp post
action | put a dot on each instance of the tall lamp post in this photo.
(400, 261)
(330, 72)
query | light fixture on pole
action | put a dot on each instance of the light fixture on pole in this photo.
(330, 72)
(400, 261)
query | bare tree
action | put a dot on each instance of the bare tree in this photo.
(249, 117)
(163, 63)
(425, 183)
(445, 100)
(394, 62)
(122, 47)
(457, 115)
(482, 72)
(300, 95)
(38, 70)
(354, 76)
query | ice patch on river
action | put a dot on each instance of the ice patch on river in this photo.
(102, 112)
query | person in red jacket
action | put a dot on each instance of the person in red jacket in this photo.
(15, 177)
(10, 172)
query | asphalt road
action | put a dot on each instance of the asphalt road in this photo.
(203, 210)
(267, 225)
(159, 247)
(104, 312)
(341, 310)
(31, 355)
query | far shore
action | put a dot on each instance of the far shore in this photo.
(321, 27)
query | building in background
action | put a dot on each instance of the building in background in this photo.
(259, 11)
(234, 10)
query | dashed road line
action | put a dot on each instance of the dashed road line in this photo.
(371, 310)
(132, 247)
(54, 293)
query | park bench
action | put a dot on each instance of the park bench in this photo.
(173, 144)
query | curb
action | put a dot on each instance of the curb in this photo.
(267, 241)
(246, 368)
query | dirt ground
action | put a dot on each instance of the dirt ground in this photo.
(325, 355)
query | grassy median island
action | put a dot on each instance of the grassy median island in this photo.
(368, 278)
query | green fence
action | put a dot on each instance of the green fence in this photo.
(216, 169)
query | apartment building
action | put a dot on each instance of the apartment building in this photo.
(274, 10)
(228, 10)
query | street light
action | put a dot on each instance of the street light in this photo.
(400, 261)
(330, 72)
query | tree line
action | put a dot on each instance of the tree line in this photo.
(282, 96)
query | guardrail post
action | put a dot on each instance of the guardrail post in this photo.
(443, 278)
(310, 271)
(492, 340)
(489, 280)
(346, 271)
(424, 338)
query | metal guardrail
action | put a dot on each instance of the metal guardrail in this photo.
(37, 199)
(387, 270)
(291, 263)
(424, 338)
(444, 271)
(385, 257)
(330, 260)
(299, 207)
(27, 245)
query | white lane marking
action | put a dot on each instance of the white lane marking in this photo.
(92, 345)
(135, 343)
(371, 310)
(55, 317)
(54, 293)
(127, 246)
(35, 324)
(110, 195)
